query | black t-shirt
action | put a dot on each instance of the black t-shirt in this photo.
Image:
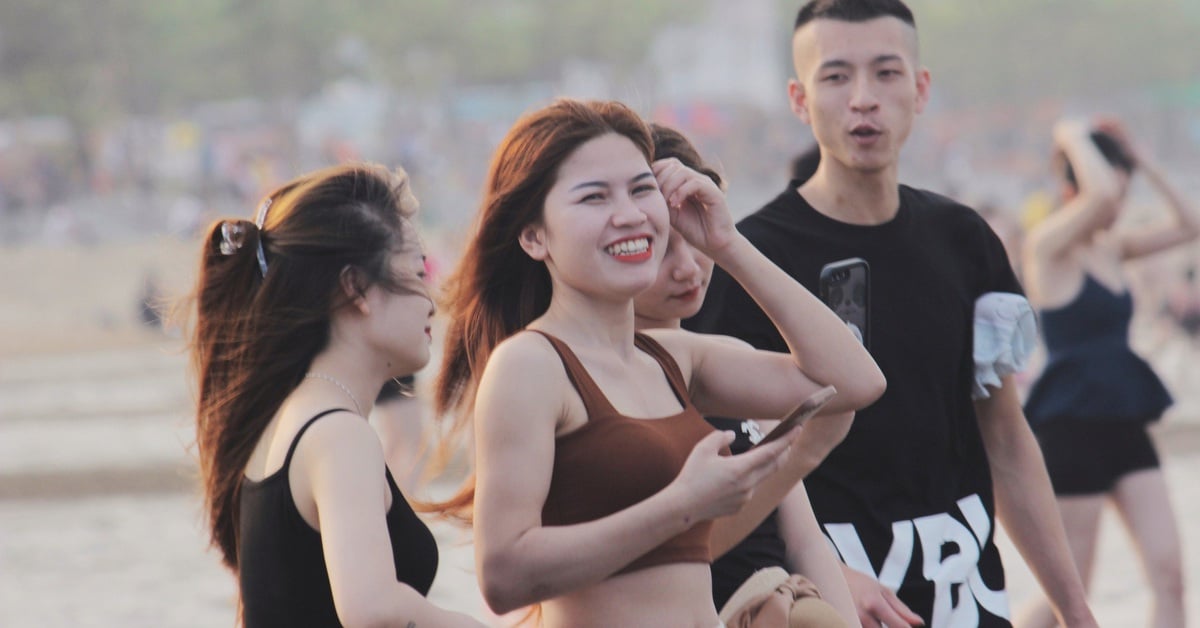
(912, 473)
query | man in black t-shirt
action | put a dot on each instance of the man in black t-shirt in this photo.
(910, 498)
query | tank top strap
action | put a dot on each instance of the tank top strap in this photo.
(287, 460)
(594, 401)
(669, 366)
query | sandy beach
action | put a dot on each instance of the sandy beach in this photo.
(100, 522)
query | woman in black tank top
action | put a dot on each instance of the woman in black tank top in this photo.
(300, 317)
(596, 475)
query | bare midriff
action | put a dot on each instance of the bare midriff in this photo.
(676, 594)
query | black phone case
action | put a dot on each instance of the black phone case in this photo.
(845, 287)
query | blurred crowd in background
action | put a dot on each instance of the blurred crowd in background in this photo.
(124, 119)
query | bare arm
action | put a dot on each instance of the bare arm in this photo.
(822, 349)
(1183, 226)
(1025, 503)
(809, 554)
(1093, 206)
(821, 346)
(342, 462)
(522, 397)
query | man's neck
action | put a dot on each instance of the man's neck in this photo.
(853, 196)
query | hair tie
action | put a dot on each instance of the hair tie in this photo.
(233, 235)
(259, 221)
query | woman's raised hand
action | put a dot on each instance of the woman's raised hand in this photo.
(697, 206)
(1069, 130)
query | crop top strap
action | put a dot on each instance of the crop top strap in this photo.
(594, 401)
(669, 366)
(287, 461)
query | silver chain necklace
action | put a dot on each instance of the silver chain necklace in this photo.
(330, 379)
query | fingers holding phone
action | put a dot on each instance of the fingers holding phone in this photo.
(718, 485)
(800, 414)
(811, 440)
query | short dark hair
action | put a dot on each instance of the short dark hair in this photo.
(853, 11)
(1113, 152)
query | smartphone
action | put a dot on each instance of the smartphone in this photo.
(801, 413)
(845, 287)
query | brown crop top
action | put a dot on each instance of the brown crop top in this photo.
(615, 461)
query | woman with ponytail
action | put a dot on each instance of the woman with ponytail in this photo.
(602, 493)
(299, 319)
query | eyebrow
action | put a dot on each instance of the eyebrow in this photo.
(604, 184)
(842, 63)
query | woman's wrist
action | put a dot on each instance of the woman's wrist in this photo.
(730, 256)
(681, 512)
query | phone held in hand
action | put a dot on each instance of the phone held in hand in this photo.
(845, 287)
(801, 413)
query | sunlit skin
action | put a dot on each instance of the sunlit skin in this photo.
(402, 322)
(604, 223)
(1113, 208)
(678, 292)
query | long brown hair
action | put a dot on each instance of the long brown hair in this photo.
(497, 289)
(262, 305)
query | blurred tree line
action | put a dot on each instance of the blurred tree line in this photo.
(93, 60)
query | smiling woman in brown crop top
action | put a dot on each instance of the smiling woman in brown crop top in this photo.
(601, 492)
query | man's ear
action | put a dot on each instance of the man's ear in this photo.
(354, 287)
(533, 241)
(923, 80)
(797, 100)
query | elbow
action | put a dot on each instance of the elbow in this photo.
(367, 615)
(502, 587)
(499, 597)
(865, 389)
(876, 387)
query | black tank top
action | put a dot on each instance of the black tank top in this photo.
(283, 579)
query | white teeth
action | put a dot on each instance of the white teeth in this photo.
(629, 247)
